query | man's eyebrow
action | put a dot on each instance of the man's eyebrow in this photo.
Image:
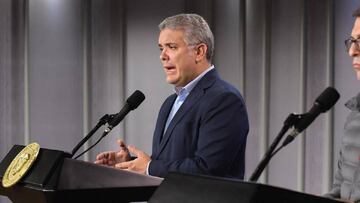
(356, 36)
(168, 44)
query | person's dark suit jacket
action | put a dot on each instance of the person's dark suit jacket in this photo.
(206, 136)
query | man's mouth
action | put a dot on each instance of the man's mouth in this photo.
(356, 65)
(169, 68)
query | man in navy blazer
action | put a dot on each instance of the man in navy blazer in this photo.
(202, 128)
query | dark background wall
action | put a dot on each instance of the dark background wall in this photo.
(65, 63)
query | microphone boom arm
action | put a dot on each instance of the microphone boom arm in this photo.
(103, 120)
(290, 121)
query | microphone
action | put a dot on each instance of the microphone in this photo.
(131, 103)
(323, 103)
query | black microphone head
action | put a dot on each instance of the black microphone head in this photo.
(327, 99)
(135, 99)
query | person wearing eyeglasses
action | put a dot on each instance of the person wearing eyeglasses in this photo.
(346, 185)
(202, 127)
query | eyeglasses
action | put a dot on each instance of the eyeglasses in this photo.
(350, 41)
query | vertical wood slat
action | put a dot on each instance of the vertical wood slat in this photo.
(123, 56)
(86, 46)
(5, 63)
(329, 119)
(11, 74)
(242, 45)
(265, 86)
(26, 75)
(302, 90)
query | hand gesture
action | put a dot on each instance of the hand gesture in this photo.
(111, 158)
(139, 164)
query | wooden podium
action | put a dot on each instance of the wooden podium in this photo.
(56, 178)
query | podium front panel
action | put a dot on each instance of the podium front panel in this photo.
(186, 188)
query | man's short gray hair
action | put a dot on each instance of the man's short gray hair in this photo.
(196, 30)
(356, 13)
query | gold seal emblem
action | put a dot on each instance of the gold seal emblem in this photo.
(20, 164)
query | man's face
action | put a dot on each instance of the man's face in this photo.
(354, 52)
(177, 58)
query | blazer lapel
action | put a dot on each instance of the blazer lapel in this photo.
(160, 124)
(190, 102)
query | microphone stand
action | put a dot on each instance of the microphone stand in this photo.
(103, 120)
(290, 121)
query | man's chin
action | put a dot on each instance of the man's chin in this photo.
(358, 74)
(170, 81)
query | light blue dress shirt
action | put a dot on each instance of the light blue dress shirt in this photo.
(182, 93)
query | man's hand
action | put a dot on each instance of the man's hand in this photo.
(139, 164)
(111, 158)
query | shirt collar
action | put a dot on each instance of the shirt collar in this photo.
(354, 103)
(190, 86)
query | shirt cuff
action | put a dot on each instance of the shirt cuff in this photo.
(147, 168)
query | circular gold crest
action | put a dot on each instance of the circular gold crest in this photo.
(20, 164)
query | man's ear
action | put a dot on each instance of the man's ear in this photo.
(200, 51)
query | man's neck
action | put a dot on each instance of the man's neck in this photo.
(203, 67)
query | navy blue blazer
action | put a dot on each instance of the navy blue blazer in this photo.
(206, 136)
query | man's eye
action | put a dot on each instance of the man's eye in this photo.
(172, 47)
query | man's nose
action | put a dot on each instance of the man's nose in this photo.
(353, 51)
(163, 55)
